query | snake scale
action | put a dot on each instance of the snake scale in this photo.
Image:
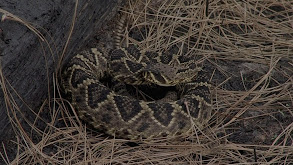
(129, 117)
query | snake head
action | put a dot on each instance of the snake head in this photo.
(168, 75)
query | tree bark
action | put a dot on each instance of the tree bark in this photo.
(26, 61)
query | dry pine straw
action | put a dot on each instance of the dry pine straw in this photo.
(254, 35)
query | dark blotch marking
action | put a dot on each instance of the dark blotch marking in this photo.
(90, 56)
(88, 118)
(143, 127)
(133, 66)
(151, 56)
(133, 51)
(77, 61)
(79, 98)
(106, 118)
(116, 54)
(192, 106)
(129, 80)
(201, 91)
(181, 125)
(97, 93)
(128, 108)
(158, 77)
(201, 77)
(77, 77)
(162, 112)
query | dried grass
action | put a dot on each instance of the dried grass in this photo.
(254, 38)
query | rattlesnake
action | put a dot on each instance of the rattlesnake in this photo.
(129, 117)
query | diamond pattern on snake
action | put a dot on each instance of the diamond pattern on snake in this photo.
(121, 115)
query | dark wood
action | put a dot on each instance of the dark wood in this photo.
(24, 63)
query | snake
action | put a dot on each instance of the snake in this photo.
(124, 116)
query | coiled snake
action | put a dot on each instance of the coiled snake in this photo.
(129, 117)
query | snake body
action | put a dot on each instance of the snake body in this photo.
(128, 117)
(121, 115)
